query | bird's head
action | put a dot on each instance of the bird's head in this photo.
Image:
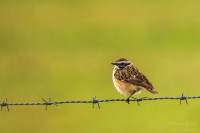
(121, 63)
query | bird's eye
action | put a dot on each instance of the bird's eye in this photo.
(120, 67)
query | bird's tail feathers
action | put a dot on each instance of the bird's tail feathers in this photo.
(152, 91)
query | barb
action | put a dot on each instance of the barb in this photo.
(183, 98)
(4, 103)
(95, 101)
(48, 103)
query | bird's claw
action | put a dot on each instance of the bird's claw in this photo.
(128, 100)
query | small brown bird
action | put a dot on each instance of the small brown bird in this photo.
(128, 79)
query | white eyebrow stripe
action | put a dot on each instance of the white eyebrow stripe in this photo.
(124, 62)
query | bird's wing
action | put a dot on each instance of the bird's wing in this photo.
(132, 75)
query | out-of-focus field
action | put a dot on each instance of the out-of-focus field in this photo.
(63, 50)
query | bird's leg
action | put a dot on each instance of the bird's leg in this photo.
(128, 99)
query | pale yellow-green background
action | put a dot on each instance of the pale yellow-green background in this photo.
(63, 50)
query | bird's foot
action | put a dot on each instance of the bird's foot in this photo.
(128, 100)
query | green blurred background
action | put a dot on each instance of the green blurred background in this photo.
(63, 50)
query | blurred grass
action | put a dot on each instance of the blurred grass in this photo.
(63, 50)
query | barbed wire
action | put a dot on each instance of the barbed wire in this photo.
(95, 101)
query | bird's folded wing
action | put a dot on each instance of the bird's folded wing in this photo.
(140, 82)
(134, 76)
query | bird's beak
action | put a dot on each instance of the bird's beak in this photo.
(114, 63)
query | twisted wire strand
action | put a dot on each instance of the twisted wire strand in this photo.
(94, 101)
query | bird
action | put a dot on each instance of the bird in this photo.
(128, 80)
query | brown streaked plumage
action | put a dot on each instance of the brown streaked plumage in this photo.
(128, 79)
